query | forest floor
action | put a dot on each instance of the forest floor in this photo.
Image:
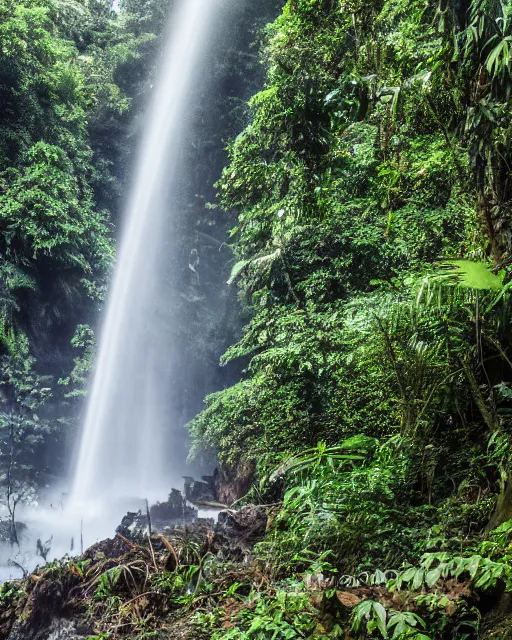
(199, 582)
(134, 587)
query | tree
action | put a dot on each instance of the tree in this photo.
(23, 429)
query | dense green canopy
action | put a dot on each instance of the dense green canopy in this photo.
(373, 190)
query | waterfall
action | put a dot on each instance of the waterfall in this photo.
(125, 439)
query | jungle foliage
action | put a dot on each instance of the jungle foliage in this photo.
(369, 199)
(372, 248)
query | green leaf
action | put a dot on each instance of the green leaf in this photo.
(360, 611)
(409, 574)
(433, 576)
(470, 275)
(473, 565)
(381, 614)
(359, 442)
(419, 578)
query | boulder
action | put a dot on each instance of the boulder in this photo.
(174, 512)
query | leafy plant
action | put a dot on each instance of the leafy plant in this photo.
(374, 617)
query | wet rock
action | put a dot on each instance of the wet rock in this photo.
(232, 537)
(58, 629)
(133, 525)
(200, 491)
(174, 511)
(497, 621)
(249, 521)
(45, 601)
(236, 532)
(502, 631)
(67, 630)
(232, 485)
(7, 618)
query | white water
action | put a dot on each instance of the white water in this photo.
(124, 448)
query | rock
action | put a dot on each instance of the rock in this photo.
(174, 511)
(42, 605)
(133, 525)
(250, 520)
(236, 532)
(233, 485)
(496, 622)
(58, 629)
(67, 630)
(200, 492)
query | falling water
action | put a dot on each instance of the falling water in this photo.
(123, 449)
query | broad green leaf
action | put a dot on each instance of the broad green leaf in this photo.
(473, 565)
(381, 614)
(237, 270)
(433, 576)
(409, 574)
(471, 275)
(419, 578)
(360, 611)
